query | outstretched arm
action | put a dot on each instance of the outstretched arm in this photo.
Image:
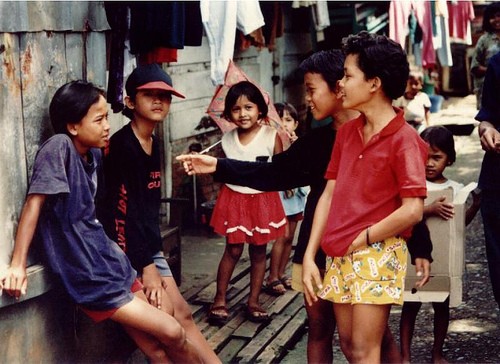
(15, 279)
(298, 166)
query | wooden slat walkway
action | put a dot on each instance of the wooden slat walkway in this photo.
(240, 340)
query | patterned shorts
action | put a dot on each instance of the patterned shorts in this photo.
(374, 275)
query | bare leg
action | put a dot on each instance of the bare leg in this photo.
(231, 255)
(359, 344)
(407, 328)
(287, 248)
(320, 333)
(276, 255)
(156, 333)
(257, 272)
(390, 351)
(182, 313)
(343, 317)
(441, 322)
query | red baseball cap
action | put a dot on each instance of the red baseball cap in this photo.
(149, 77)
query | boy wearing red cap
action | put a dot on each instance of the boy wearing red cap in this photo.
(131, 204)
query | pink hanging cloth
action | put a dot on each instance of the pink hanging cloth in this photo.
(399, 11)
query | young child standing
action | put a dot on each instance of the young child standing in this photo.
(243, 214)
(131, 205)
(294, 201)
(415, 103)
(374, 195)
(95, 273)
(441, 155)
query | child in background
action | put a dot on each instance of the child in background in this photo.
(94, 271)
(374, 195)
(441, 155)
(415, 103)
(243, 214)
(486, 47)
(130, 211)
(294, 201)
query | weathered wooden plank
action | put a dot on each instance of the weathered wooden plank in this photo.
(290, 334)
(232, 306)
(280, 303)
(43, 66)
(222, 335)
(189, 293)
(206, 295)
(75, 55)
(248, 329)
(258, 342)
(239, 282)
(228, 353)
(96, 58)
(13, 179)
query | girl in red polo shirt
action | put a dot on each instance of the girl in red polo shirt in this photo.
(374, 195)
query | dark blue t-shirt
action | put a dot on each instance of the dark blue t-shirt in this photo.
(92, 268)
(489, 178)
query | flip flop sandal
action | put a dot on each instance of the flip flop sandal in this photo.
(274, 289)
(256, 314)
(215, 317)
(286, 281)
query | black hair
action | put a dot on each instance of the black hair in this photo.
(253, 94)
(441, 138)
(71, 103)
(489, 13)
(379, 56)
(329, 64)
(282, 106)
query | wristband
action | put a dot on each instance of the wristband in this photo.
(368, 236)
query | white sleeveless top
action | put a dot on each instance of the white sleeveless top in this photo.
(262, 145)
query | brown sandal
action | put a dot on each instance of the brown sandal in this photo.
(218, 315)
(256, 314)
(275, 288)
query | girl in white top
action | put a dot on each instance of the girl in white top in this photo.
(243, 214)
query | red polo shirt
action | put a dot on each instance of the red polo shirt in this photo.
(371, 179)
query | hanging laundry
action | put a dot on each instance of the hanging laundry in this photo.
(274, 22)
(399, 12)
(158, 55)
(220, 20)
(442, 41)
(461, 13)
(156, 24)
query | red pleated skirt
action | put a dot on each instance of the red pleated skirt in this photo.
(248, 218)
